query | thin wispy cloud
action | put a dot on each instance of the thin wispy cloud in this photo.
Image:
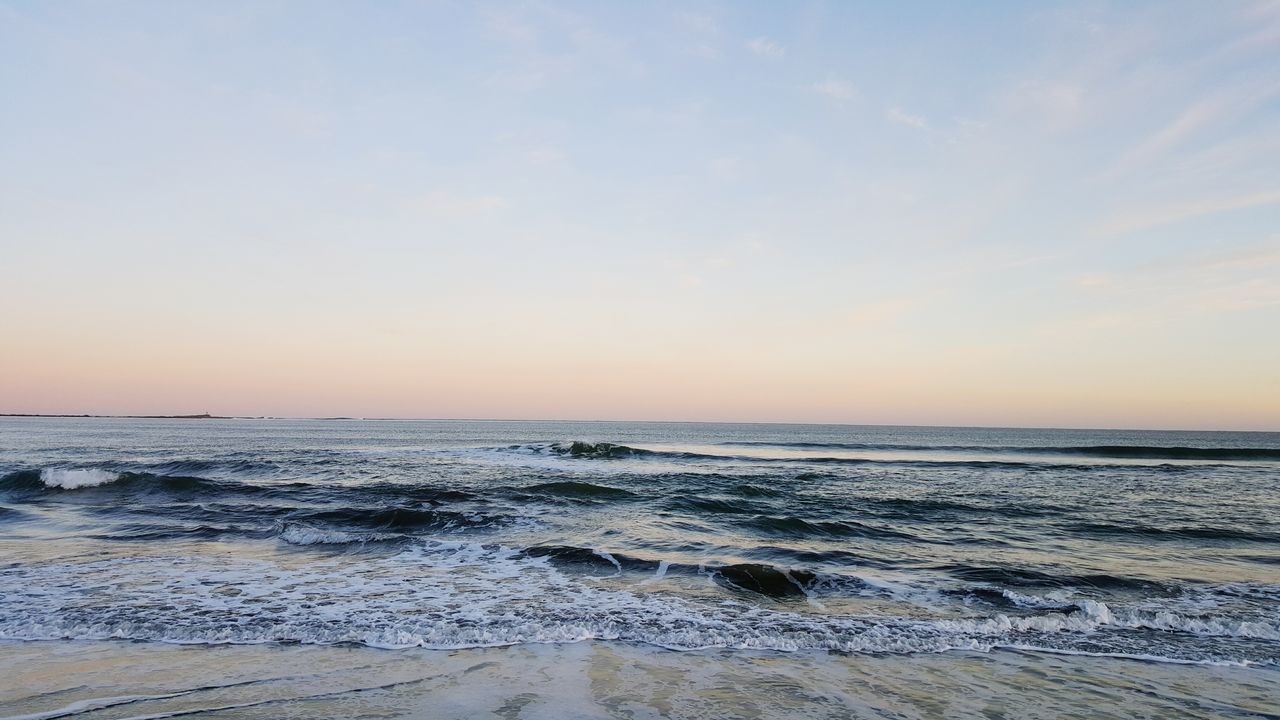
(726, 168)
(702, 33)
(834, 88)
(543, 45)
(705, 50)
(1059, 105)
(1186, 285)
(545, 156)
(902, 117)
(1091, 280)
(698, 22)
(511, 25)
(1187, 210)
(764, 47)
(1251, 258)
(450, 205)
(1203, 116)
(1253, 294)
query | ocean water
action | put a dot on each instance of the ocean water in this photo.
(940, 553)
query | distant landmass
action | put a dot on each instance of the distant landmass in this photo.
(201, 416)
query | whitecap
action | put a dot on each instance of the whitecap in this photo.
(70, 479)
(305, 535)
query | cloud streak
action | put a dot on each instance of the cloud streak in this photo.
(766, 48)
(902, 117)
(449, 205)
(834, 88)
(1181, 212)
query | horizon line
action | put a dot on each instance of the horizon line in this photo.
(208, 416)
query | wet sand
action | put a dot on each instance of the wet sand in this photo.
(120, 679)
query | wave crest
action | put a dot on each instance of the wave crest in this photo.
(298, 534)
(71, 479)
(581, 449)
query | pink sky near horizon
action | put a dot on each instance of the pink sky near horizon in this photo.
(686, 379)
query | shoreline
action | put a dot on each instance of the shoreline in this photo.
(598, 678)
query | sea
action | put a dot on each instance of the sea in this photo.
(382, 568)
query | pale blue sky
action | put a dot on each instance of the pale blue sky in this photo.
(995, 213)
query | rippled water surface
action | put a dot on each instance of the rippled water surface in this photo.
(1152, 546)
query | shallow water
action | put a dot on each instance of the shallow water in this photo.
(795, 550)
(604, 679)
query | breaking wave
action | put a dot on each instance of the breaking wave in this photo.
(982, 457)
(91, 478)
(408, 535)
(498, 596)
(597, 450)
(72, 479)
(299, 534)
(1137, 452)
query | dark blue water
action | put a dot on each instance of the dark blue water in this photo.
(1157, 545)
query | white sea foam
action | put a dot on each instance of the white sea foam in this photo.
(91, 704)
(466, 594)
(1093, 615)
(1202, 626)
(1145, 657)
(1054, 600)
(605, 555)
(305, 535)
(70, 479)
(661, 572)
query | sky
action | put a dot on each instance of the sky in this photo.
(1012, 214)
